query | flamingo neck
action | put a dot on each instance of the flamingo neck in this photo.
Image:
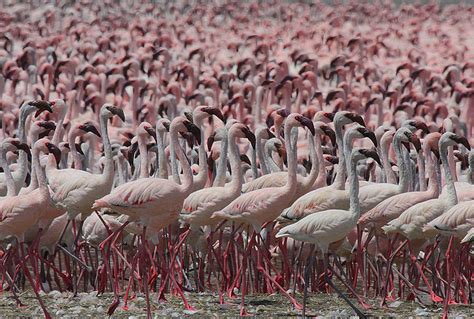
(237, 176)
(387, 167)
(353, 188)
(108, 172)
(143, 157)
(451, 189)
(74, 153)
(201, 178)
(404, 178)
(162, 161)
(313, 174)
(321, 179)
(11, 190)
(260, 144)
(433, 184)
(421, 170)
(340, 180)
(187, 184)
(222, 164)
(291, 154)
(270, 162)
(40, 174)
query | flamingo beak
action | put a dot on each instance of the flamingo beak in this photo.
(89, 127)
(194, 130)
(306, 122)
(53, 149)
(356, 118)
(117, 111)
(151, 132)
(215, 111)
(250, 136)
(372, 154)
(330, 133)
(461, 140)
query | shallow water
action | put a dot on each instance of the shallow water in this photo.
(64, 305)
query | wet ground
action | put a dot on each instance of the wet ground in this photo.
(89, 305)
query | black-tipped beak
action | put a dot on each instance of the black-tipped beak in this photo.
(78, 148)
(270, 134)
(330, 133)
(210, 140)
(244, 158)
(250, 136)
(283, 112)
(131, 153)
(369, 134)
(329, 116)
(356, 118)
(215, 111)
(189, 116)
(117, 111)
(373, 154)
(422, 126)
(151, 132)
(306, 122)
(167, 126)
(24, 147)
(42, 106)
(90, 128)
(461, 140)
(416, 142)
(48, 125)
(53, 149)
(194, 130)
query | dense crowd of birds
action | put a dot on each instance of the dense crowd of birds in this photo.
(237, 148)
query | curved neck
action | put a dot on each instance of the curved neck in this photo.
(291, 154)
(340, 179)
(40, 175)
(11, 191)
(187, 175)
(260, 144)
(222, 164)
(174, 163)
(313, 173)
(387, 167)
(201, 178)
(109, 161)
(452, 195)
(322, 176)
(421, 171)
(162, 161)
(272, 166)
(433, 184)
(143, 157)
(402, 168)
(235, 186)
(74, 153)
(353, 188)
(23, 158)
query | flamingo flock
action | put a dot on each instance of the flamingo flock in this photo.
(237, 148)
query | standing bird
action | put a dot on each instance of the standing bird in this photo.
(330, 226)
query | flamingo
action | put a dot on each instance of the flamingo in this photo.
(199, 206)
(19, 213)
(264, 205)
(149, 199)
(26, 109)
(330, 226)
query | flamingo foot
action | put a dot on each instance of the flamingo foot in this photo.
(112, 307)
(435, 298)
(243, 312)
